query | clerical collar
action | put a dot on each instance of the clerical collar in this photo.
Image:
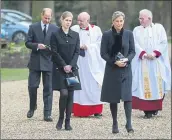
(85, 28)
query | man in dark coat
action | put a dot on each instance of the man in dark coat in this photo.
(40, 62)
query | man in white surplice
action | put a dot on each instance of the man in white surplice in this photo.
(91, 69)
(150, 66)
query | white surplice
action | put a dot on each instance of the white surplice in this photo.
(91, 67)
(151, 78)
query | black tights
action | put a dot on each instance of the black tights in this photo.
(65, 103)
(127, 108)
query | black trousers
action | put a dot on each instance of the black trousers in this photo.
(33, 84)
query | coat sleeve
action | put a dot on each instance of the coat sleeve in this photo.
(29, 40)
(104, 49)
(162, 45)
(76, 52)
(131, 52)
(56, 58)
(139, 51)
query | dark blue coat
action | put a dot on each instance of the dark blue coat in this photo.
(117, 81)
(40, 60)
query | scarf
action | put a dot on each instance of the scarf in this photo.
(117, 46)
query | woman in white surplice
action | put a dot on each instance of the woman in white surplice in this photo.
(91, 69)
(150, 66)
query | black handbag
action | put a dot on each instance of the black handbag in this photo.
(71, 80)
(82, 53)
(119, 56)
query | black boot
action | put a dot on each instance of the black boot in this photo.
(69, 110)
(115, 128)
(113, 108)
(128, 109)
(155, 112)
(67, 125)
(148, 114)
(59, 124)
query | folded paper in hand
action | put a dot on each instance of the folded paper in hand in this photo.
(48, 47)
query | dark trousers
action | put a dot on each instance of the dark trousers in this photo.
(33, 84)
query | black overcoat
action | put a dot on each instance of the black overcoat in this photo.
(65, 49)
(117, 82)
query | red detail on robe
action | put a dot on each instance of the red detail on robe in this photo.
(146, 105)
(86, 110)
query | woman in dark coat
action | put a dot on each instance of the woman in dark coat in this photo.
(117, 81)
(65, 45)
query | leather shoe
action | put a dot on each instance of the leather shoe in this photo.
(115, 129)
(98, 115)
(129, 129)
(59, 124)
(48, 119)
(30, 113)
(155, 112)
(67, 125)
(147, 116)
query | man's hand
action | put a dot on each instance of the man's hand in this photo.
(41, 46)
(120, 63)
(67, 68)
(84, 47)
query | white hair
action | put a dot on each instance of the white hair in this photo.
(147, 12)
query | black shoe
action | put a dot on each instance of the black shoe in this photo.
(30, 113)
(67, 125)
(115, 129)
(98, 115)
(129, 129)
(48, 119)
(155, 112)
(148, 116)
(59, 124)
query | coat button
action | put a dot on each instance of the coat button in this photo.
(67, 41)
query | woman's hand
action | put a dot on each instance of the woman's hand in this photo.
(68, 68)
(120, 63)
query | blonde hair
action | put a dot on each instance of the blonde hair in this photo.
(47, 9)
(66, 14)
(117, 14)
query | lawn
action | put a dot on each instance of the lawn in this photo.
(14, 74)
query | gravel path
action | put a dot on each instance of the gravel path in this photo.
(15, 125)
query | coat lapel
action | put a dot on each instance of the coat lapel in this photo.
(40, 32)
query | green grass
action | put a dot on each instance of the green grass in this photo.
(14, 74)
